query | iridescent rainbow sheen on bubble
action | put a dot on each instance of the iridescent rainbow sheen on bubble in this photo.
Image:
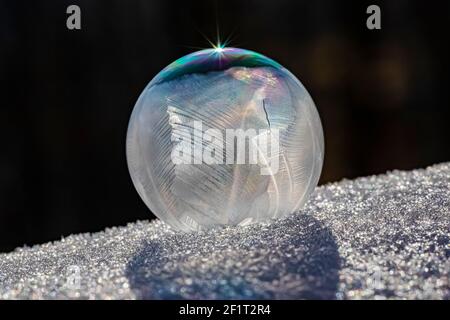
(214, 60)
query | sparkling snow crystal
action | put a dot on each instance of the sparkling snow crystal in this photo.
(383, 236)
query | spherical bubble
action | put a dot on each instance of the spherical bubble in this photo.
(224, 137)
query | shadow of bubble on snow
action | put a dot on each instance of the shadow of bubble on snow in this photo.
(293, 258)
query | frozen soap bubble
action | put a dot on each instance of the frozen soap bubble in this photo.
(224, 137)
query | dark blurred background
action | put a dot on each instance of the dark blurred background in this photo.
(66, 96)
